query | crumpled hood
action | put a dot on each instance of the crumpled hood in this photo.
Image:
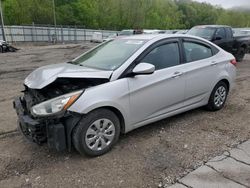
(45, 75)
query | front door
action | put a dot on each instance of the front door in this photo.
(161, 92)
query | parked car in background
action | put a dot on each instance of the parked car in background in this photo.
(181, 32)
(5, 47)
(150, 31)
(244, 33)
(97, 37)
(129, 32)
(89, 101)
(223, 36)
(169, 31)
(110, 37)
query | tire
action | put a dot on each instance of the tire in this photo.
(240, 54)
(218, 97)
(90, 136)
(1, 49)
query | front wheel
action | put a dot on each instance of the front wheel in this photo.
(97, 132)
(218, 97)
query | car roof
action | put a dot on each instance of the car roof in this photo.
(212, 26)
(151, 36)
(158, 37)
(155, 36)
(140, 37)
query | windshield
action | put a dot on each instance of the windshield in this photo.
(204, 32)
(110, 55)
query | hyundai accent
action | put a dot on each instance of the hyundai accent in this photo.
(120, 85)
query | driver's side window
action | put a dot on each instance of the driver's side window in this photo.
(166, 55)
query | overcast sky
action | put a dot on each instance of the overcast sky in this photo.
(228, 3)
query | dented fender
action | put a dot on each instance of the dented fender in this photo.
(99, 96)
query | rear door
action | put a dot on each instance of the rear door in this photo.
(200, 70)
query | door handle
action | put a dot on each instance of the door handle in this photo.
(177, 74)
(214, 63)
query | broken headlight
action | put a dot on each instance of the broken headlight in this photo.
(55, 105)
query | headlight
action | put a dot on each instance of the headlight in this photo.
(56, 104)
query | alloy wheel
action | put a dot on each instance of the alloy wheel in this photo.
(220, 96)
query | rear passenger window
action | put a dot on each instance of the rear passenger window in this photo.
(196, 51)
(163, 56)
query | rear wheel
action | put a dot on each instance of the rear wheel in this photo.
(218, 97)
(97, 132)
(240, 54)
(1, 49)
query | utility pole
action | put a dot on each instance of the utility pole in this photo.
(54, 13)
(2, 22)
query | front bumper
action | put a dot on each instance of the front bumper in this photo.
(56, 130)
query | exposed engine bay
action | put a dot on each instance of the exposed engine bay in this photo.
(55, 130)
(59, 87)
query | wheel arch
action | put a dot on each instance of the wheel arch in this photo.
(117, 113)
(115, 110)
(226, 82)
(210, 105)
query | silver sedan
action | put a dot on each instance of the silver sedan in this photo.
(124, 84)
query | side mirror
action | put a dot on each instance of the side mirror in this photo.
(143, 68)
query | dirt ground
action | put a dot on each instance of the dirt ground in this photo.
(157, 154)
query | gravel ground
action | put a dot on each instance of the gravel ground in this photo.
(150, 156)
(14, 67)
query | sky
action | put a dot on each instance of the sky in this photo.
(227, 3)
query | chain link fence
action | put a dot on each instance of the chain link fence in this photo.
(60, 34)
(50, 34)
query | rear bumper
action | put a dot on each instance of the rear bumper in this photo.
(56, 131)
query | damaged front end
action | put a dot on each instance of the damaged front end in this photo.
(43, 115)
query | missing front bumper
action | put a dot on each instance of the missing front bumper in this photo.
(40, 130)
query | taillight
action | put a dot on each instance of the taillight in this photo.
(234, 62)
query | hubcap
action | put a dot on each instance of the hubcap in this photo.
(100, 134)
(220, 96)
